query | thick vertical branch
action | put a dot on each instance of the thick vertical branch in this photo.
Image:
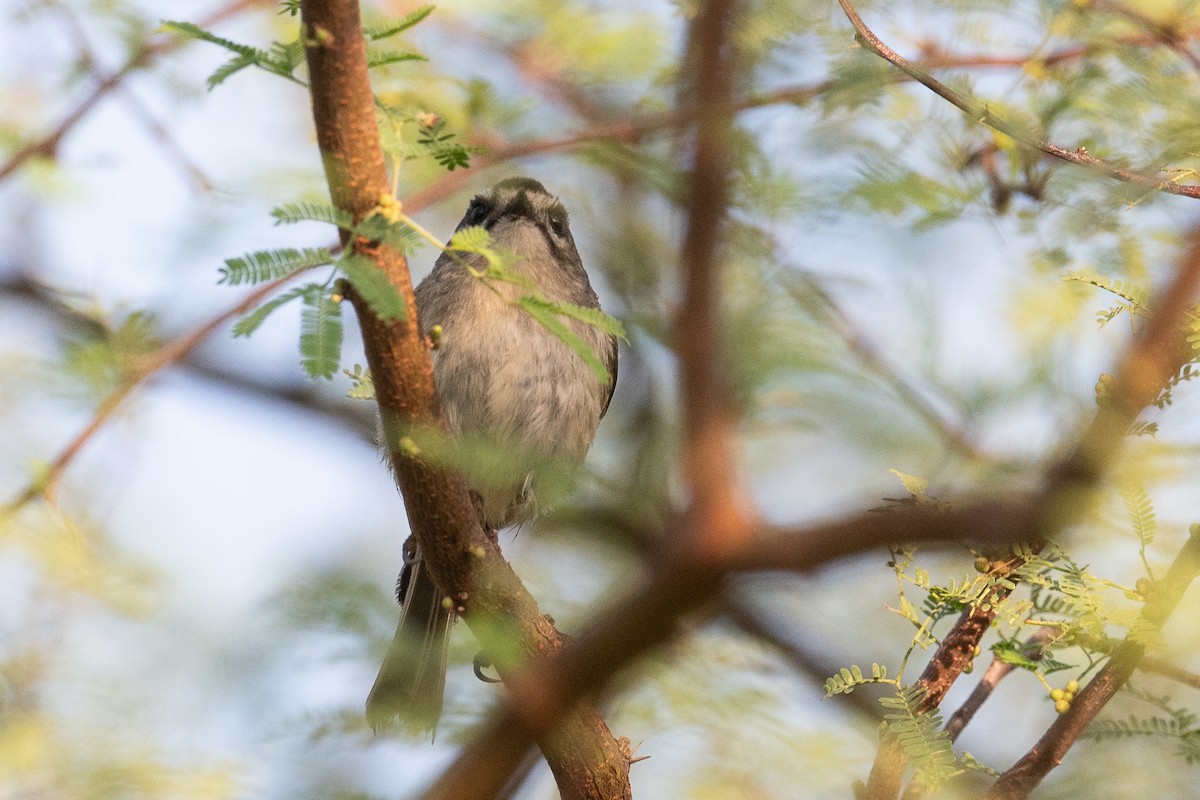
(717, 524)
(463, 561)
(713, 524)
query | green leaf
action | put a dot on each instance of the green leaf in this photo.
(285, 57)
(320, 334)
(196, 32)
(476, 240)
(251, 322)
(291, 213)
(269, 265)
(377, 228)
(375, 33)
(1008, 652)
(363, 384)
(374, 287)
(591, 316)
(230, 67)
(391, 57)
(540, 310)
(1141, 512)
(915, 486)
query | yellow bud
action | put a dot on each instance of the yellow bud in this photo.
(1073, 686)
(1062, 706)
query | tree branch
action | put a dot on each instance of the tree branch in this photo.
(980, 112)
(714, 523)
(47, 145)
(1028, 772)
(464, 562)
(136, 374)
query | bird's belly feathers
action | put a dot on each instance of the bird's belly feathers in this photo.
(509, 383)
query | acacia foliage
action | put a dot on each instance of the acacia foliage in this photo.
(904, 289)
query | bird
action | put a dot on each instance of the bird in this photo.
(506, 379)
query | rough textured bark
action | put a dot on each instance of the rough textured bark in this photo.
(715, 523)
(465, 563)
(1028, 772)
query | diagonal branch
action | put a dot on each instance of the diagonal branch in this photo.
(47, 145)
(1028, 772)
(137, 374)
(464, 562)
(980, 112)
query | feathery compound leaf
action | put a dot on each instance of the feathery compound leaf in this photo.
(1141, 512)
(374, 287)
(386, 57)
(1136, 298)
(541, 312)
(230, 67)
(591, 316)
(268, 265)
(377, 32)
(320, 334)
(286, 56)
(921, 736)
(291, 213)
(363, 387)
(196, 32)
(250, 323)
(477, 240)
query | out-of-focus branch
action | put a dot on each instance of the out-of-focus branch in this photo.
(465, 563)
(1024, 776)
(135, 376)
(47, 145)
(980, 112)
(155, 128)
(715, 522)
(1158, 666)
(359, 417)
(951, 434)
(1171, 36)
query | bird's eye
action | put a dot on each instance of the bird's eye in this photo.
(558, 222)
(476, 213)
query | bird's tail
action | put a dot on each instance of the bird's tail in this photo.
(412, 680)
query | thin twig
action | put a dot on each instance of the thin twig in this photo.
(1028, 772)
(47, 144)
(1168, 35)
(139, 371)
(980, 112)
(869, 356)
(156, 129)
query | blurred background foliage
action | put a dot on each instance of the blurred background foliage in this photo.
(195, 607)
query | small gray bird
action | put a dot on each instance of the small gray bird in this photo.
(503, 378)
